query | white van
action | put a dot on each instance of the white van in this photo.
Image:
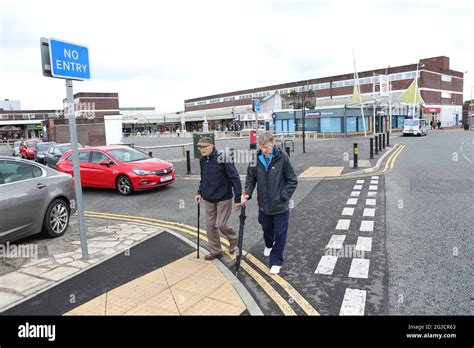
(414, 126)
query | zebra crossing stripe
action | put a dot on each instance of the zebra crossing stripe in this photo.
(357, 187)
(359, 181)
(343, 224)
(348, 211)
(353, 302)
(359, 268)
(369, 212)
(372, 194)
(355, 193)
(364, 244)
(326, 265)
(366, 226)
(336, 241)
(352, 201)
(373, 188)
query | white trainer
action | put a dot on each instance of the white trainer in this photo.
(267, 251)
(275, 269)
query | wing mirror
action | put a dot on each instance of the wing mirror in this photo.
(106, 163)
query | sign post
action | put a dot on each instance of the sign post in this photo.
(71, 62)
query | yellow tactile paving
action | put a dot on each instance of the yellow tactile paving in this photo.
(187, 286)
(319, 172)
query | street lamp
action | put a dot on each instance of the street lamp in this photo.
(304, 121)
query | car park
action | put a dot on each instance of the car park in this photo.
(119, 167)
(28, 148)
(34, 199)
(55, 152)
(41, 150)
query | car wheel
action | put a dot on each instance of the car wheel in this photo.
(124, 185)
(56, 219)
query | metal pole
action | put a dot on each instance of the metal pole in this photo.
(198, 234)
(371, 148)
(188, 162)
(356, 155)
(75, 165)
(376, 145)
(287, 149)
(383, 140)
(388, 138)
(380, 142)
(304, 124)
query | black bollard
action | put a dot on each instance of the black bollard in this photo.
(188, 162)
(376, 145)
(150, 153)
(383, 141)
(287, 149)
(371, 148)
(380, 142)
(356, 155)
(388, 138)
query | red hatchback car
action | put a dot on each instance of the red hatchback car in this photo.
(28, 148)
(120, 167)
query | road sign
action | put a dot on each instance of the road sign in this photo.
(68, 60)
(256, 105)
(274, 115)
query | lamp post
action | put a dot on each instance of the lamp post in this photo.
(304, 121)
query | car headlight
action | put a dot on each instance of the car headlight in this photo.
(141, 171)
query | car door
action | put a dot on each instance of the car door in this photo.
(102, 176)
(26, 190)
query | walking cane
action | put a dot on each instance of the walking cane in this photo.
(199, 215)
(242, 218)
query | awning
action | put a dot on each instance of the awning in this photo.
(438, 110)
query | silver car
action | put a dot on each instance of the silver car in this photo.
(33, 199)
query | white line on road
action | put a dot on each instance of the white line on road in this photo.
(353, 302)
(336, 241)
(360, 181)
(348, 211)
(364, 244)
(374, 182)
(371, 193)
(369, 212)
(370, 202)
(352, 201)
(357, 187)
(366, 226)
(375, 177)
(359, 268)
(326, 265)
(373, 188)
(343, 224)
(355, 193)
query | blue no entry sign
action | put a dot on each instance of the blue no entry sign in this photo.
(69, 61)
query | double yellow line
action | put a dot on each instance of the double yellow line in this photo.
(391, 161)
(250, 267)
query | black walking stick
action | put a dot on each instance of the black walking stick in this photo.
(199, 216)
(242, 218)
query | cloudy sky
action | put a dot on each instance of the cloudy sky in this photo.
(158, 53)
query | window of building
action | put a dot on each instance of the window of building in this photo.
(446, 95)
(202, 102)
(445, 78)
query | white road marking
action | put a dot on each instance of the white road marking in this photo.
(360, 181)
(336, 241)
(353, 302)
(352, 201)
(375, 177)
(371, 193)
(369, 212)
(370, 202)
(343, 224)
(374, 182)
(326, 265)
(359, 268)
(364, 244)
(373, 188)
(366, 226)
(348, 211)
(357, 187)
(355, 193)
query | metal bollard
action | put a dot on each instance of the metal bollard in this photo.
(371, 148)
(376, 145)
(383, 140)
(380, 142)
(287, 149)
(356, 155)
(231, 154)
(188, 162)
(388, 138)
(150, 153)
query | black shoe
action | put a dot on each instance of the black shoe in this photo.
(211, 257)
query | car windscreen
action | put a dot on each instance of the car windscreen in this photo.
(43, 147)
(32, 143)
(128, 155)
(411, 123)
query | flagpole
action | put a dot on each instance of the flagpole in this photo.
(416, 86)
(356, 78)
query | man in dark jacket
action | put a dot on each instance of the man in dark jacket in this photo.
(218, 177)
(276, 182)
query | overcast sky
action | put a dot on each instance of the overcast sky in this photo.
(158, 53)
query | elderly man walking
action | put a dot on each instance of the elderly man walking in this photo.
(276, 182)
(218, 177)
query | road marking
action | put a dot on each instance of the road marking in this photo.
(336, 241)
(374, 182)
(357, 187)
(353, 302)
(366, 226)
(369, 212)
(295, 295)
(355, 193)
(372, 194)
(343, 224)
(370, 202)
(348, 211)
(373, 187)
(360, 181)
(326, 265)
(364, 244)
(352, 201)
(359, 268)
(375, 177)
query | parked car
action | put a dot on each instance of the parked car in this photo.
(28, 148)
(41, 150)
(414, 126)
(16, 148)
(119, 167)
(33, 199)
(55, 152)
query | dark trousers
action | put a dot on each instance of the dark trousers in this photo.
(275, 229)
